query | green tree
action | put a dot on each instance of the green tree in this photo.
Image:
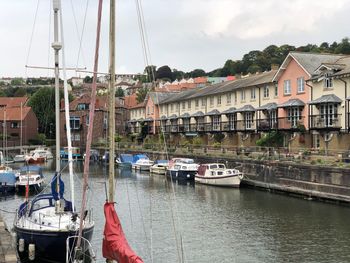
(164, 72)
(17, 82)
(343, 47)
(178, 74)
(141, 94)
(150, 71)
(88, 79)
(2, 93)
(20, 92)
(119, 92)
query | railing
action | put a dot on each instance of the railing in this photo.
(325, 121)
(291, 123)
(266, 124)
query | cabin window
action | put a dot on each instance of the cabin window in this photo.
(220, 173)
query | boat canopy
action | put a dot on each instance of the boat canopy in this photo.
(137, 157)
(126, 158)
(7, 178)
(33, 168)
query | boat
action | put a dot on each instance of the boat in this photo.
(218, 174)
(159, 167)
(182, 169)
(143, 164)
(30, 176)
(7, 180)
(94, 155)
(35, 157)
(44, 224)
(19, 158)
(75, 153)
(124, 161)
(137, 157)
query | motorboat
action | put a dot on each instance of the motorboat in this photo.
(218, 174)
(94, 155)
(19, 158)
(182, 169)
(8, 179)
(136, 158)
(124, 161)
(159, 167)
(31, 176)
(39, 155)
(75, 153)
(143, 164)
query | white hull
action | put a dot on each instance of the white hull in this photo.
(141, 167)
(228, 181)
(19, 158)
(158, 170)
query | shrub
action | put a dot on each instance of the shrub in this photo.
(271, 139)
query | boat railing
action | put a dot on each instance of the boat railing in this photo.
(81, 254)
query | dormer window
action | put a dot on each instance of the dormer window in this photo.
(83, 106)
(328, 81)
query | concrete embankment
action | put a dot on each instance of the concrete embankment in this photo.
(7, 247)
(306, 180)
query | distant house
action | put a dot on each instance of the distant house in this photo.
(13, 101)
(20, 124)
(76, 81)
(79, 119)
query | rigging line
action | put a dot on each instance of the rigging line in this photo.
(80, 36)
(32, 34)
(141, 34)
(127, 192)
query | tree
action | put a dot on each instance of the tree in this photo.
(141, 94)
(17, 82)
(43, 105)
(150, 71)
(20, 92)
(164, 72)
(178, 74)
(119, 92)
(343, 47)
(197, 73)
(88, 79)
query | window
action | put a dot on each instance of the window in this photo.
(189, 104)
(88, 119)
(243, 95)
(266, 92)
(294, 115)
(228, 98)
(328, 115)
(171, 107)
(301, 85)
(287, 88)
(204, 102)
(235, 94)
(105, 122)
(83, 106)
(197, 103)
(232, 119)
(276, 90)
(219, 100)
(215, 122)
(252, 94)
(183, 105)
(76, 137)
(148, 110)
(74, 123)
(211, 101)
(14, 125)
(328, 81)
(177, 106)
(248, 120)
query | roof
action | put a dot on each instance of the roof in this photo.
(198, 114)
(131, 100)
(213, 112)
(172, 117)
(14, 113)
(309, 62)
(246, 108)
(268, 106)
(330, 98)
(291, 103)
(229, 111)
(149, 119)
(179, 96)
(13, 101)
(185, 115)
(159, 97)
(101, 102)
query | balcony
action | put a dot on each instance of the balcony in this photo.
(293, 123)
(325, 122)
(266, 124)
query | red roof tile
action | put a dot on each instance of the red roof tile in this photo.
(14, 113)
(13, 101)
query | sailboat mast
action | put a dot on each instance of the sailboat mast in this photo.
(111, 103)
(56, 45)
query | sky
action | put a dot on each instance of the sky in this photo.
(183, 34)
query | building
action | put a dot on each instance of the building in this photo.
(76, 81)
(79, 120)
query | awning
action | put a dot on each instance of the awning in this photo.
(133, 120)
(213, 112)
(198, 114)
(149, 119)
(268, 107)
(330, 98)
(185, 116)
(172, 117)
(229, 111)
(292, 103)
(246, 108)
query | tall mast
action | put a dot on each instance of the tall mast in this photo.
(56, 45)
(111, 104)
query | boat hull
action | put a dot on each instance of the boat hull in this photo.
(158, 170)
(227, 181)
(124, 165)
(182, 174)
(7, 189)
(50, 246)
(33, 188)
(36, 161)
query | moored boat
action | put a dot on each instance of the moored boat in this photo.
(31, 176)
(182, 169)
(159, 167)
(218, 174)
(124, 161)
(143, 164)
(7, 180)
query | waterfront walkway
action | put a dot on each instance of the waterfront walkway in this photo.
(7, 247)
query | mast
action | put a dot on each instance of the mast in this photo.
(111, 104)
(20, 141)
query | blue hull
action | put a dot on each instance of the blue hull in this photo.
(182, 175)
(49, 246)
(7, 189)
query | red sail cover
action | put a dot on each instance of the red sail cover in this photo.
(115, 246)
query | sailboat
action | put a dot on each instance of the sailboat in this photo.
(44, 224)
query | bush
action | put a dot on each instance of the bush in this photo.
(216, 145)
(271, 139)
(218, 137)
(197, 141)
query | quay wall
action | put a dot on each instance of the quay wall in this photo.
(7, 247)
(306, 180)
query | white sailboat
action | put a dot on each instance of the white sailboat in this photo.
(44, 223)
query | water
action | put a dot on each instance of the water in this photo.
(215, 224)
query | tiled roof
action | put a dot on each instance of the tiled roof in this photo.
(198, 114)
(14, 113)
(13, 101)
(159, 97)
(229, 111)
(268, 106)
(185, 115)
(291, 103)
(131, 100)
(213, 112)
(330, 98)
(101, 102)
(246, 108)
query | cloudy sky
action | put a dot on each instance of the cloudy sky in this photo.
(184, 34)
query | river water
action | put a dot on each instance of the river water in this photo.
(215, 224)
